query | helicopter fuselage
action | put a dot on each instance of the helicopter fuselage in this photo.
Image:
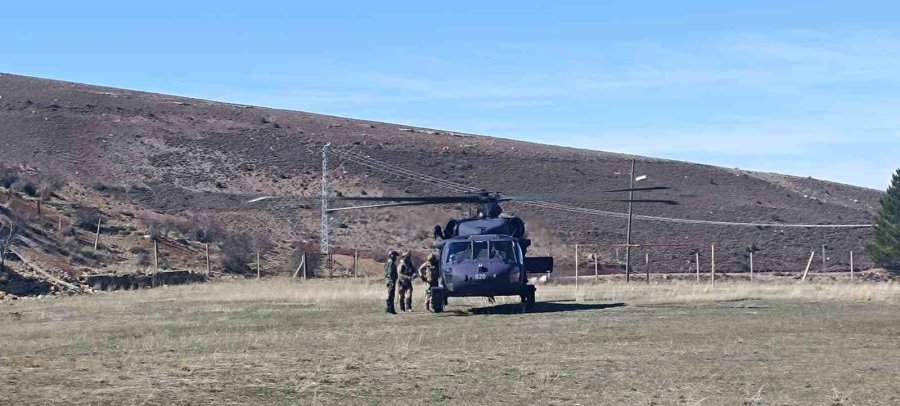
(482, 265)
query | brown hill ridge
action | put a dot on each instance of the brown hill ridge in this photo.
(148, 153)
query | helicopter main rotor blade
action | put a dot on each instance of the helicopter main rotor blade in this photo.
(669, 202)
(638, 189)
(377, 206)
(426, 199)
(404, 198)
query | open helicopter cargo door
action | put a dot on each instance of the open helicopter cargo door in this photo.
(538, 264)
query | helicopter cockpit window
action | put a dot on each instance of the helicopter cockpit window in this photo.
(481, 250)
(505, 251)
(459, 251)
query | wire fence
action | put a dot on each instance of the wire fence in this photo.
(702, 262)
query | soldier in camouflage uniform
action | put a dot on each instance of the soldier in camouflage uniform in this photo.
(429, 274)
(406, 272)
(390, 276)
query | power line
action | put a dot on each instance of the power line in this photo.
(373, 163)
(582, 210)
(404, 173)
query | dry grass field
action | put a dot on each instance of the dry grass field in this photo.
(280, 341)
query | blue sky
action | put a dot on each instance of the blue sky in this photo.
(805, 88)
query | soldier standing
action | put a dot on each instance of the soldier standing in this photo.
(406, 272)
(390, 276)
(429, 274)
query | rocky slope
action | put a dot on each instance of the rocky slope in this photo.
(165, 155)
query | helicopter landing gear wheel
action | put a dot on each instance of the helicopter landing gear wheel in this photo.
(438, 299)
(528, 298)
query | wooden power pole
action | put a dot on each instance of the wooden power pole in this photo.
(628, 228)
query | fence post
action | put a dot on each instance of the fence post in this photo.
(97, 238)
(712, 265)
(155, 254)
(647, 265)
(305, 267)
(751, 266)
(697, 261)
(596, 267)
(356, 263)
(808, 264)
(300, 266)
(851, 265)
(207, 260)
(258, 266)
(576, 272)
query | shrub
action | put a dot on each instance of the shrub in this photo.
(313, 261)
(22, 185)
(8, 176)
(48, 184)
(239, 251)
(87, 218)
(143, 259)
(200, 228)
(138, 250)
(159, 229)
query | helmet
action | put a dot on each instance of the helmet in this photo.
(432, 257)
(392, 253)
(406, 254)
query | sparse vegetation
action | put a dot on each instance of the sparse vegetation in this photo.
(23, 186)
(48, 184)
(159, 228)
(8, 176)
(328, 342)
(200, 227)
(86, 218)
(238, 252)
(885, 250)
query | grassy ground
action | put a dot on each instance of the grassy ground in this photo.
(289, 342)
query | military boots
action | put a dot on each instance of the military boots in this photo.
(390, 307)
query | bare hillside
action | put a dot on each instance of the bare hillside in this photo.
(143, 152)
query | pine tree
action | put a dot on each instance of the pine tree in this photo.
(885, 251)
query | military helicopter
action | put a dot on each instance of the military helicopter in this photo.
(484, 255)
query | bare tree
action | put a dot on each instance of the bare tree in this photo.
(9, 236)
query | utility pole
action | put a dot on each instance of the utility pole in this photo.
(628, 229)
(326, 222)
